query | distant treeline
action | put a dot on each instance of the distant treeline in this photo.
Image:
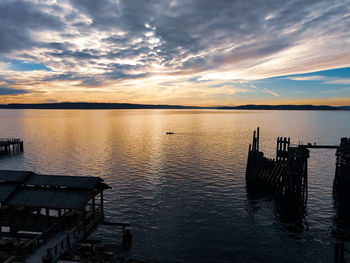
(88, 105)
(285, 107)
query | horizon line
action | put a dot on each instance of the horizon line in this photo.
(114, 105)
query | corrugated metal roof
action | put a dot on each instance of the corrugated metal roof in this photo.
(82, 182)
(6, 190)
(48, 198)
(13, 176)
(24, 188)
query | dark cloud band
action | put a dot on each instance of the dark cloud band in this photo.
(5, 91)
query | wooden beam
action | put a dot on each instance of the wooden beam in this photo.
(101, 199)
(93, 205)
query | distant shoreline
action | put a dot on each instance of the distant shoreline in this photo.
(95, 106)
(287, 107)
(92, 106)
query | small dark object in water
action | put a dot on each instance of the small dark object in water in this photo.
(127, 238)
(169, 132)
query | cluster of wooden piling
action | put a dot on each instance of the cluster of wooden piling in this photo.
(282, 148)
(341, 183)
(9, 145)
(285, 176)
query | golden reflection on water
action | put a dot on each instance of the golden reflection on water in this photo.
(83, 137)
(181, 190)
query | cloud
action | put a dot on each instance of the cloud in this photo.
(339, 81)
(336, 90)
(271, 92)
(264, 90)
(18, 18)
(314, 77)
(323, 79)
(4, 91)
(3, 66)
(116, 43)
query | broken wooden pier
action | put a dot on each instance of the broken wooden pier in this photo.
(10, 145)
(287, 174)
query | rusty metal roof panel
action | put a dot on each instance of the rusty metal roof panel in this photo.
(51, 198)
(13, 176)
(82, 182)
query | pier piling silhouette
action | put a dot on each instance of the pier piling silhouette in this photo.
(287, 174)
(10, 145)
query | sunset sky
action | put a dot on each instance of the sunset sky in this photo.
(189, 52)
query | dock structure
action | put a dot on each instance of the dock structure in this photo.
(42, 216)
(287, 174)
(341, 183)
(8, 145)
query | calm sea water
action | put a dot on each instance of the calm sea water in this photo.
(185, 194)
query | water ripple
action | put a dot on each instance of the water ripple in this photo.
(185, 194)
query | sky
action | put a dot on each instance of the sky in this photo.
(188, 52)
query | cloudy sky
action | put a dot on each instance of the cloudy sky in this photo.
(190, 52)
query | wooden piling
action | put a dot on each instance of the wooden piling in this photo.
(257, 138)
(341, 183)
(10, 145)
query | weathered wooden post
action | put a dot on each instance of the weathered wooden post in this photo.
(254, 156)
(101, 200)
(296, 188)
(341, 181)
(93, 206)
(257, 138)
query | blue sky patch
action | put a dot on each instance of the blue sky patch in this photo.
(319, 84)
(18, 65)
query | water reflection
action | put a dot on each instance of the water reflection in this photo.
(184, 195)
(290, 217)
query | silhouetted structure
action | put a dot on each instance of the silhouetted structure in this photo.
(339, 252)
(341, 184)
(341, 196)
(8, 145)
(285, 176)
(44, 215)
